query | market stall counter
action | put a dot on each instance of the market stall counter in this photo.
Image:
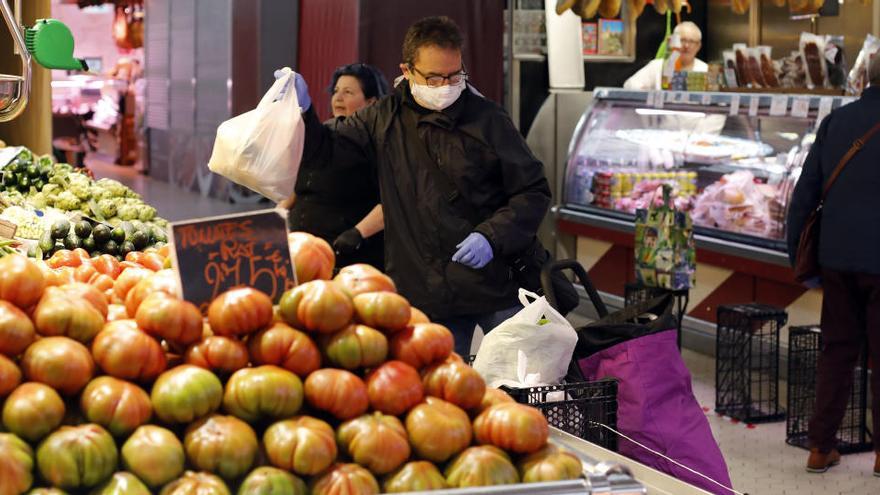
(732, 160)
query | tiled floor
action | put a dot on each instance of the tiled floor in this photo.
(759, 460)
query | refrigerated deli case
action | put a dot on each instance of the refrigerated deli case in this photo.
(733, 160)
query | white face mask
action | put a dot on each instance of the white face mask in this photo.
(436, 98)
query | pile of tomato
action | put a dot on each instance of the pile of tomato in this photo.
(111, 382)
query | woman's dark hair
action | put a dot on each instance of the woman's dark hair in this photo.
(438, 31)
(373, 83)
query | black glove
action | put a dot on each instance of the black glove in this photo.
(348, 242)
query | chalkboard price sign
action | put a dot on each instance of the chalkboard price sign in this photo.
(218, 253)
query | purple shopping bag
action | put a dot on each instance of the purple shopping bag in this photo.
(657, 408)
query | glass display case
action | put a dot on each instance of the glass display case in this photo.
(733, 159)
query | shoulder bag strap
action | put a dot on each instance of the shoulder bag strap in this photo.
(857, 145)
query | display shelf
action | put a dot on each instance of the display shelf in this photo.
(733, 158)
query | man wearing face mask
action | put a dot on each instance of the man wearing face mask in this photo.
(461, 192)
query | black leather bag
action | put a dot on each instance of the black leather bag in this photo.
(527, 268)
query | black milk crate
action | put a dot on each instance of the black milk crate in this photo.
(583, 404)
(635, 293)
(747, 362)
(804, 344)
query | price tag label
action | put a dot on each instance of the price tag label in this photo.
(658, 99)
(734, 105)
(800, 107)
(216, 254)
(650, 99)
(754, 101)
(825, 104)
(8, 154)
(730, 78)
(706, 99)
(778, 105)
(681, 97)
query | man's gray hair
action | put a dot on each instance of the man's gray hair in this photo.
(689, 26)
(874, 70)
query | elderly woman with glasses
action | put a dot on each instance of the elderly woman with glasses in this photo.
(340, 204)
(649, 77)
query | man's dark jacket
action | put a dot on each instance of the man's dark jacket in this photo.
(484, 179)
(850, 225)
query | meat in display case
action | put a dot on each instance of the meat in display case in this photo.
(732, 159)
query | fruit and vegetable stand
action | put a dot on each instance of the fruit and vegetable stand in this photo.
(112, 383)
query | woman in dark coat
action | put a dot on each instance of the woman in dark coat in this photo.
(341, 204)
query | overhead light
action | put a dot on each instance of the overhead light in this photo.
(676, 113)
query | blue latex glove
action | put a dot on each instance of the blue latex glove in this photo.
(474, 251)
(302, 89)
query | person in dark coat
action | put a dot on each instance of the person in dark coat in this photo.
(340, 204)
(849, 256)
(462, 193)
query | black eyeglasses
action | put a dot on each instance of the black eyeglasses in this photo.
(437, 81)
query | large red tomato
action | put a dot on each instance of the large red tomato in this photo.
(60, 314)
(490, 398)
(550, 464)
(21, 281)
(62, 363)
(122, 483)
(128, 279)
(84, 272)
(108, 265)
(348, 479)
(167, 317)
(385, 310)
(162, 281)
(115, 404)
(438, 429)
(16, 330)
(222, 355)
(240, 311)
(198, 483)
(10, 376)
(101, 282)
(362, 278)
(283, 346)
(481, 466)
(338, 392)
(32, 411)
(269, 480)
(16, 470)
(312, 256)
(154, 455)
(417, 316)
(422, 344)
(355, 346)
(317, 306)
(415, 476)
(455, 382)
(122, 350)
(88, 292)
(394, 388)
(64, 258)
(303, 445)
(186, 393)
(375, 441)
(77, 456)
(263, 392)
(513, 427)
(224, 445)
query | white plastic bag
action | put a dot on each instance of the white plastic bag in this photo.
(533, 347)
(262, 149)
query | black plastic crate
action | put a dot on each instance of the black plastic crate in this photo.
(585, 404)
(804, 344)
(747, 362)
(635, 293)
